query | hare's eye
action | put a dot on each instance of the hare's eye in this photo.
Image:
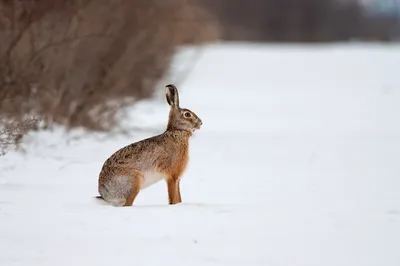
(187, 114)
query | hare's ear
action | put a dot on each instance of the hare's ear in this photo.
(171, 93)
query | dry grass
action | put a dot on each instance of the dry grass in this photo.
(77, 62)
(12, 132)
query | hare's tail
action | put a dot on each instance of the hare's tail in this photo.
(100, 200)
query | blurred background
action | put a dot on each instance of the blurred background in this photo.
(77, 62)
(307, 20)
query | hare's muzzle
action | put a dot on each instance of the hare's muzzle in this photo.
(199, 124)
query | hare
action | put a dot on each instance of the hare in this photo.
(143, 163)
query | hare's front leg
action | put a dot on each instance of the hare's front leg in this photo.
(174, 194)
(178, 191)
(136, 180)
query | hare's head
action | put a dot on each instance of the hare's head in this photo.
(180, 118)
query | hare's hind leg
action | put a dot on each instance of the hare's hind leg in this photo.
(136, 180)
(174, 194)
(122, 188)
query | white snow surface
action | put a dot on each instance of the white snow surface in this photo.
(297, 164)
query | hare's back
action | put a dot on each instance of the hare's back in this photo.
(141, 150)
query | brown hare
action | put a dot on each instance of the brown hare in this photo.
(143, 163)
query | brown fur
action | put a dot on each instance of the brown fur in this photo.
(124, 172)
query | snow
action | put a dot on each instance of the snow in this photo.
(297, 164)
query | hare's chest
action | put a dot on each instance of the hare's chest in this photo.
(175, 163)
(150, 178)
(179, 164)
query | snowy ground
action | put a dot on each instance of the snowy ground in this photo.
(297, 164)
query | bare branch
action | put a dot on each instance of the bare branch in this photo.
(12, 133)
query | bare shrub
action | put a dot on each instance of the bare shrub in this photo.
(76, 62)
(12, 132)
